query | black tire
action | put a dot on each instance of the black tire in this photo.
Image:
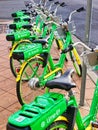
(58, 125)
(33, 69)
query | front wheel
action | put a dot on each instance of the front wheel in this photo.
(58, 125)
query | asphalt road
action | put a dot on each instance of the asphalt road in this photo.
(9, 6)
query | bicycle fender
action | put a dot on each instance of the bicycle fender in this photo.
(13, 47)
(89, 127)
(77, 56)
(62, 118)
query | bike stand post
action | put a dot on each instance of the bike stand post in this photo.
(83, 85)
(87, 39)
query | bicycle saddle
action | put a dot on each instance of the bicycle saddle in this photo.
(64, 82)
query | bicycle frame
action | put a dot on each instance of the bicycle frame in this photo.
(54, 67)
(93, 109)
(84, 123)
(60, 40)
(27, 111)
(38, 29)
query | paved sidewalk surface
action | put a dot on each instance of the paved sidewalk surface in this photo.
(8, 98)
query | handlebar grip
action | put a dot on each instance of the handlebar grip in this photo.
(12, 26)
(70, 47)
(14, 15)
(80, 9)
(28, 26)
(26, 13)
(10, 38)
(16, 19)
(25, 10)
(27, 19)
(57, 3)
(63, 4)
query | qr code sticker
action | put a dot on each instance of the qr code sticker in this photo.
(20, 119)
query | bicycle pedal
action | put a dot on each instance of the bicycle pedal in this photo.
(55, 59)
(94, 124)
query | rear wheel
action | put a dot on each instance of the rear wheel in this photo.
(58, 125)
(32, 70)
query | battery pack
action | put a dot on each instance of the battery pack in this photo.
(39, 114)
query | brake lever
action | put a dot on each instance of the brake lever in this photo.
(63, 4)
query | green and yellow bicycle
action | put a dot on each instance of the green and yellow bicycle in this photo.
(39, 65)
(36, 30)
(55, 111)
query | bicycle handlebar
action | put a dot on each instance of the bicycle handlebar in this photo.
(73, 12)
(71, 46)
(84, 45)
(80, 9)
(52, 22)
(53, 18)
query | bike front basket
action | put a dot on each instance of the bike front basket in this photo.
(91, 59)
(60, 33)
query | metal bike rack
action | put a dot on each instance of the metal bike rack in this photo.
(87, 37)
